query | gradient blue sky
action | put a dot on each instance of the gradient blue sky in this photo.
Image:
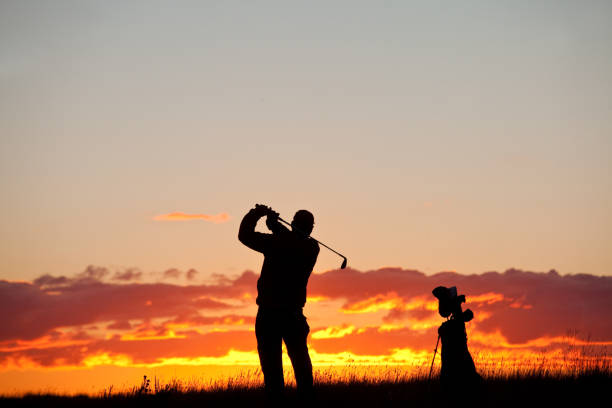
(434, 135)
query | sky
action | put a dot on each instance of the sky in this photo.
(429, 136)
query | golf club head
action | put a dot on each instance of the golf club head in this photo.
(343, 264)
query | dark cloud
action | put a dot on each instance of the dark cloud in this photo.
(207, 303)
(128, 275)
(93, 272)
(191, 274)
(199, 320)
(34, 309)
(48, 280)
(119, 325)
(172, 273)
(534, 304)
(519, 305)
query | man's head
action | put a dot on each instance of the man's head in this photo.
(304, 221)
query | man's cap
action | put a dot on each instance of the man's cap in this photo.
(303, 220)
(304, 217)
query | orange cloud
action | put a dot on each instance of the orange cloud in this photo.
(375, 303)
(151, 335)
(488, 298)
(333, 332)
(180, 216)
(385, 316)
(390, 301)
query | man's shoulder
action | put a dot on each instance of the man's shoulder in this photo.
(313, 244)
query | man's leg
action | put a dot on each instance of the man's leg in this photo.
(269, 347)
(295, 334)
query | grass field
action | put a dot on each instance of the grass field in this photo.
(357, 387)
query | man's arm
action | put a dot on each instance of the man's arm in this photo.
(315, 254)
(247, 235)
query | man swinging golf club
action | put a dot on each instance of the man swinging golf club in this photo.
(289, 257)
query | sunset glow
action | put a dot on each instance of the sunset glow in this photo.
(464, 144)
(385, 317)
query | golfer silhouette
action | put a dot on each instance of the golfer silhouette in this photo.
(289, 257)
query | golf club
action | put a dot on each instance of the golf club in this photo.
(302, 232)
(434, 358)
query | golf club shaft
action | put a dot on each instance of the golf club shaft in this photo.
(302, 232)
(434, 357)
